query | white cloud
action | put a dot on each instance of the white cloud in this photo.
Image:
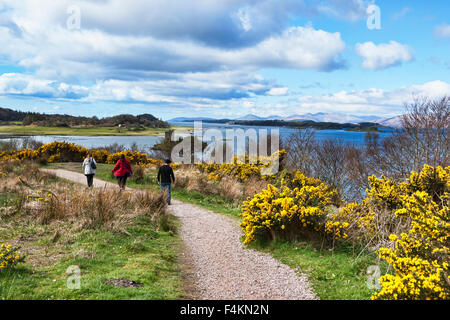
(442, 31)
(373, 101)
(281, 91)
(202, 52)
(384, 55)
(244, 17)
(28, 85)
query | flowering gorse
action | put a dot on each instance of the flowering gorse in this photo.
(241, 167)
(421, 257)
(8, 256)
(63, 151)
(414, 216)
(299, 205)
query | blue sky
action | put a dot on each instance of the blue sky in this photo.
(225, 58)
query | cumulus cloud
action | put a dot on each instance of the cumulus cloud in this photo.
(86, 56)
(190, 89)
(199, 54)
(27, 85)
(374, 101)
(384, 55)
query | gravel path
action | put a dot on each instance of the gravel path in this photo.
(220, 266)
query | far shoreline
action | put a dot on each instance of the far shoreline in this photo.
(29, 131)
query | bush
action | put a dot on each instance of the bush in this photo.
(242, 170)
(9, 256)
(421, 257)
(69, 152)
(288, 212)
(373, 219)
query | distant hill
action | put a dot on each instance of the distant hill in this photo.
(395, 122)
(251, 117)
(316, 117)
(332, 117)
(11, 115)
(363, 126)
(63, 120)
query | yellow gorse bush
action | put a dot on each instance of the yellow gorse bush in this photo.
(8, 256)
(414, 215)
(242, 167)
(298, 205)
(64, 151)
(420, 257)
(373, 218)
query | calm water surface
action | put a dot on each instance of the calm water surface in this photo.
(146, 142)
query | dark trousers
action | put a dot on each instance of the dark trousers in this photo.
(122, 181)
(90, 179)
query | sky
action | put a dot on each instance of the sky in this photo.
(222, 58)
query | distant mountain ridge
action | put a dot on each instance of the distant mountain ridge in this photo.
(317, 117)
(395, 122)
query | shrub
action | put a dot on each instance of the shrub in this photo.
(373, 219)
(132, 156)
(242, 167)
(287, 212)
(69, 152)
(9, 256)
(421, 256)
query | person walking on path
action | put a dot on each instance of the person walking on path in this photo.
(89, 165)
(122, 170)
(166, 178)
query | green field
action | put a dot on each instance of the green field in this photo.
(89, 131)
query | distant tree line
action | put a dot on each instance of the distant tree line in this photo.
(59, 120)
(11, 115)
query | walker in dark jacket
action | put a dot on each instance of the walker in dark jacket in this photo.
(166, 178)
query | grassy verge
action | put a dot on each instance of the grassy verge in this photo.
(339, 274)
(91, 131)
(145, 252)
(144, 256)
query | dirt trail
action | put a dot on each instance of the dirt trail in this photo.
(220, 266)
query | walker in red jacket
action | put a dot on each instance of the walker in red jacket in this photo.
(122, 170)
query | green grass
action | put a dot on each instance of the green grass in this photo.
(147, 256)
(7, 200)
(339, 274)
(210, 202)
(89, 131)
